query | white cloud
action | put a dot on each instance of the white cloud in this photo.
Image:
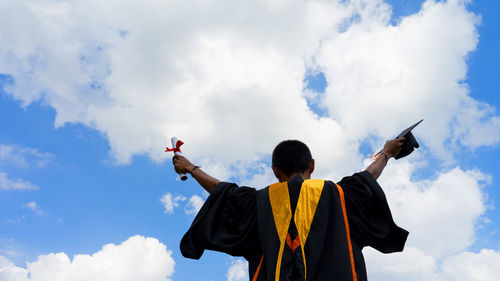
(238, 270)
(10, 272)
(232, 87)
(33, 206)
(384, 77)
(414, 265)
(4, 262)
(467, 131)
(170, 202)
(15, 184)
(137, 258)
(194, 205)
(20, 156)
(434, 211)
(441, 215)
(468, 266)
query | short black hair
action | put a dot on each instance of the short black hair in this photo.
(291, 156)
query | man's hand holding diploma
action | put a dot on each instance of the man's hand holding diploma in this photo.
(183, 165)
(176, 145)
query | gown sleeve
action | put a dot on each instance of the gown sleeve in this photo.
(227, 222)
(369, 215)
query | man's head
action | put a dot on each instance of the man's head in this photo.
(292, 157)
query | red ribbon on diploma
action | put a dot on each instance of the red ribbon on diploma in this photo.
(177, 147)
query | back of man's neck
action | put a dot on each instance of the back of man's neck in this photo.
(304, 176)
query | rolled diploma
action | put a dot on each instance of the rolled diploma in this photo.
(174, 145)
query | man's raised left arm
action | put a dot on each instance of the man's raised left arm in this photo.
(391, 149)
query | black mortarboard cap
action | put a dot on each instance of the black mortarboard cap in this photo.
(410, 142)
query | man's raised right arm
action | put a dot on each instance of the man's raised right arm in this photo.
(183, 165)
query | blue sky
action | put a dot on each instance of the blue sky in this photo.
(88, 194)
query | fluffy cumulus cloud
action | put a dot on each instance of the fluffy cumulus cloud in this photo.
(449, 204)
(228, 79)
(238, 270)
(415, 265)
(442, 215)
(137, 258)
(170, 202)
(484, 265)
(231, 83)
(194, 205)
(415, 69)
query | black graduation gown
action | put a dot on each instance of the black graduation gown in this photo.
(297, 230)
